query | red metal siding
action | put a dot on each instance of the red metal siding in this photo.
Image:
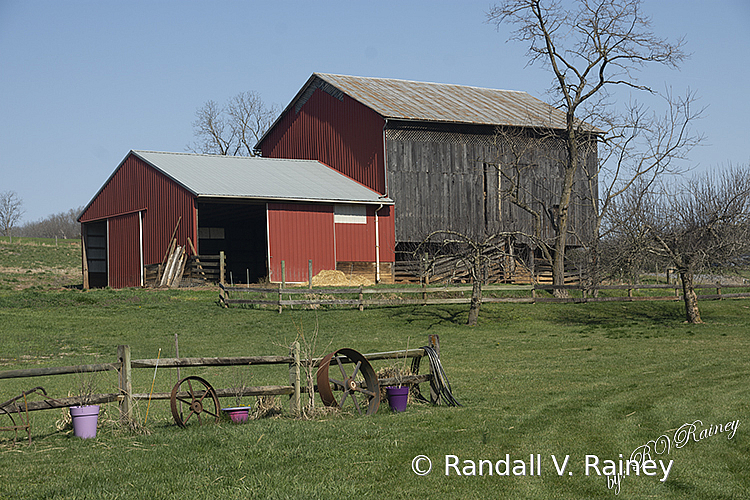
(296, 233)
(387, 225)
(341, 133)
(356, 242)
(124, 251)
(136, 186)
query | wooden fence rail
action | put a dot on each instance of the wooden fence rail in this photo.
(313, 297)
(125, 397)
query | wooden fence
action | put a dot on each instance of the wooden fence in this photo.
(362, 297)
(124, 366)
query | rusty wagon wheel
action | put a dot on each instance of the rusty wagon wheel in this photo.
(199, 397)
(362, 383)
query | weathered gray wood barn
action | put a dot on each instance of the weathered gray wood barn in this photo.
(473, 160)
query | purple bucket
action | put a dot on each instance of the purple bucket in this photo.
(397, 397)
(85, 419)
(238, 414)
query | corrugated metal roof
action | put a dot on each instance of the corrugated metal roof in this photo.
(260, 178)
(442, 102)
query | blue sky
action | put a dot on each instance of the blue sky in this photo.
(84, 82)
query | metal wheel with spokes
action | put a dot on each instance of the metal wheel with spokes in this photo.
(361, 387)
(195, 396)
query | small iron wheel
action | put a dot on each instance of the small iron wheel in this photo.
(199, 397)
(361, 387)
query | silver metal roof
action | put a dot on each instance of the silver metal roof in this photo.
(442, 102)
(260, 178)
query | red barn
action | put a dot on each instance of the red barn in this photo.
(259, 211)
(450, 156)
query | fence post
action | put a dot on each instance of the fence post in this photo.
(280, 298)
(294, 380)
(309, 271)
(126, 384)
(361, 299)
(222, 265)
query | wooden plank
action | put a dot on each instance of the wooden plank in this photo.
(510, 300)
(314, 302)
(303, 291)
(377, 356)
(48, 404)
(58, 370)
(251, 301)
(218, 361)
(268, 390)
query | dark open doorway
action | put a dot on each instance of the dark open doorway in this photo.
(95, 241)
(239, 230)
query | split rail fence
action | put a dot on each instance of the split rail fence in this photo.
(362, 297)
(124, 366)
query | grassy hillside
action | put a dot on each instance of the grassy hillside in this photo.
(39, 263)
(548, 379)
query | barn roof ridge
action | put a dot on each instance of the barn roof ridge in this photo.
(408, 80)
(440, 103)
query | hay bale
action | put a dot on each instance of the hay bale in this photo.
(330, 277)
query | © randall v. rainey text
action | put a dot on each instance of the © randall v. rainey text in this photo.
(592, 465)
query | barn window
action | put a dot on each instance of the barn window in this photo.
(211, 233)
(350, 214)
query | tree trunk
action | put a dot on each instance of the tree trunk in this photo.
(692, 313)
(558, 264)
(563, 210)
(476, 303)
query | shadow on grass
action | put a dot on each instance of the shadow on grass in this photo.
(624, 314)
(433, 316)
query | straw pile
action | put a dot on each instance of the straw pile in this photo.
(338, 278)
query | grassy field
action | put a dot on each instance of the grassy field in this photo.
(548, 379)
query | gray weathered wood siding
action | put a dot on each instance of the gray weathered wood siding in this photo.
(456, 178)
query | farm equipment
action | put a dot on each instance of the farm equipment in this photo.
(12, 406)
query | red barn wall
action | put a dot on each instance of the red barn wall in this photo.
(344, 134)
(137, 187)
(298, 232)
(356, 242)
(124, 243)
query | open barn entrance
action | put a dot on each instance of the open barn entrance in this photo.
(95, 253)
(238, 230)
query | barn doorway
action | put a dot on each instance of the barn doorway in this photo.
(95, 251)
(240, 231)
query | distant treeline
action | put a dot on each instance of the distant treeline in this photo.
(62, 225)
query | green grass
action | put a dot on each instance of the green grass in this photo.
(562, 379)
(39, 263)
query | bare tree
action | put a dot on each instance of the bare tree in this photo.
(640, 149)
(61, 225)
(232, 129)
(693, 226)
(590, 47)
(11, 212)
